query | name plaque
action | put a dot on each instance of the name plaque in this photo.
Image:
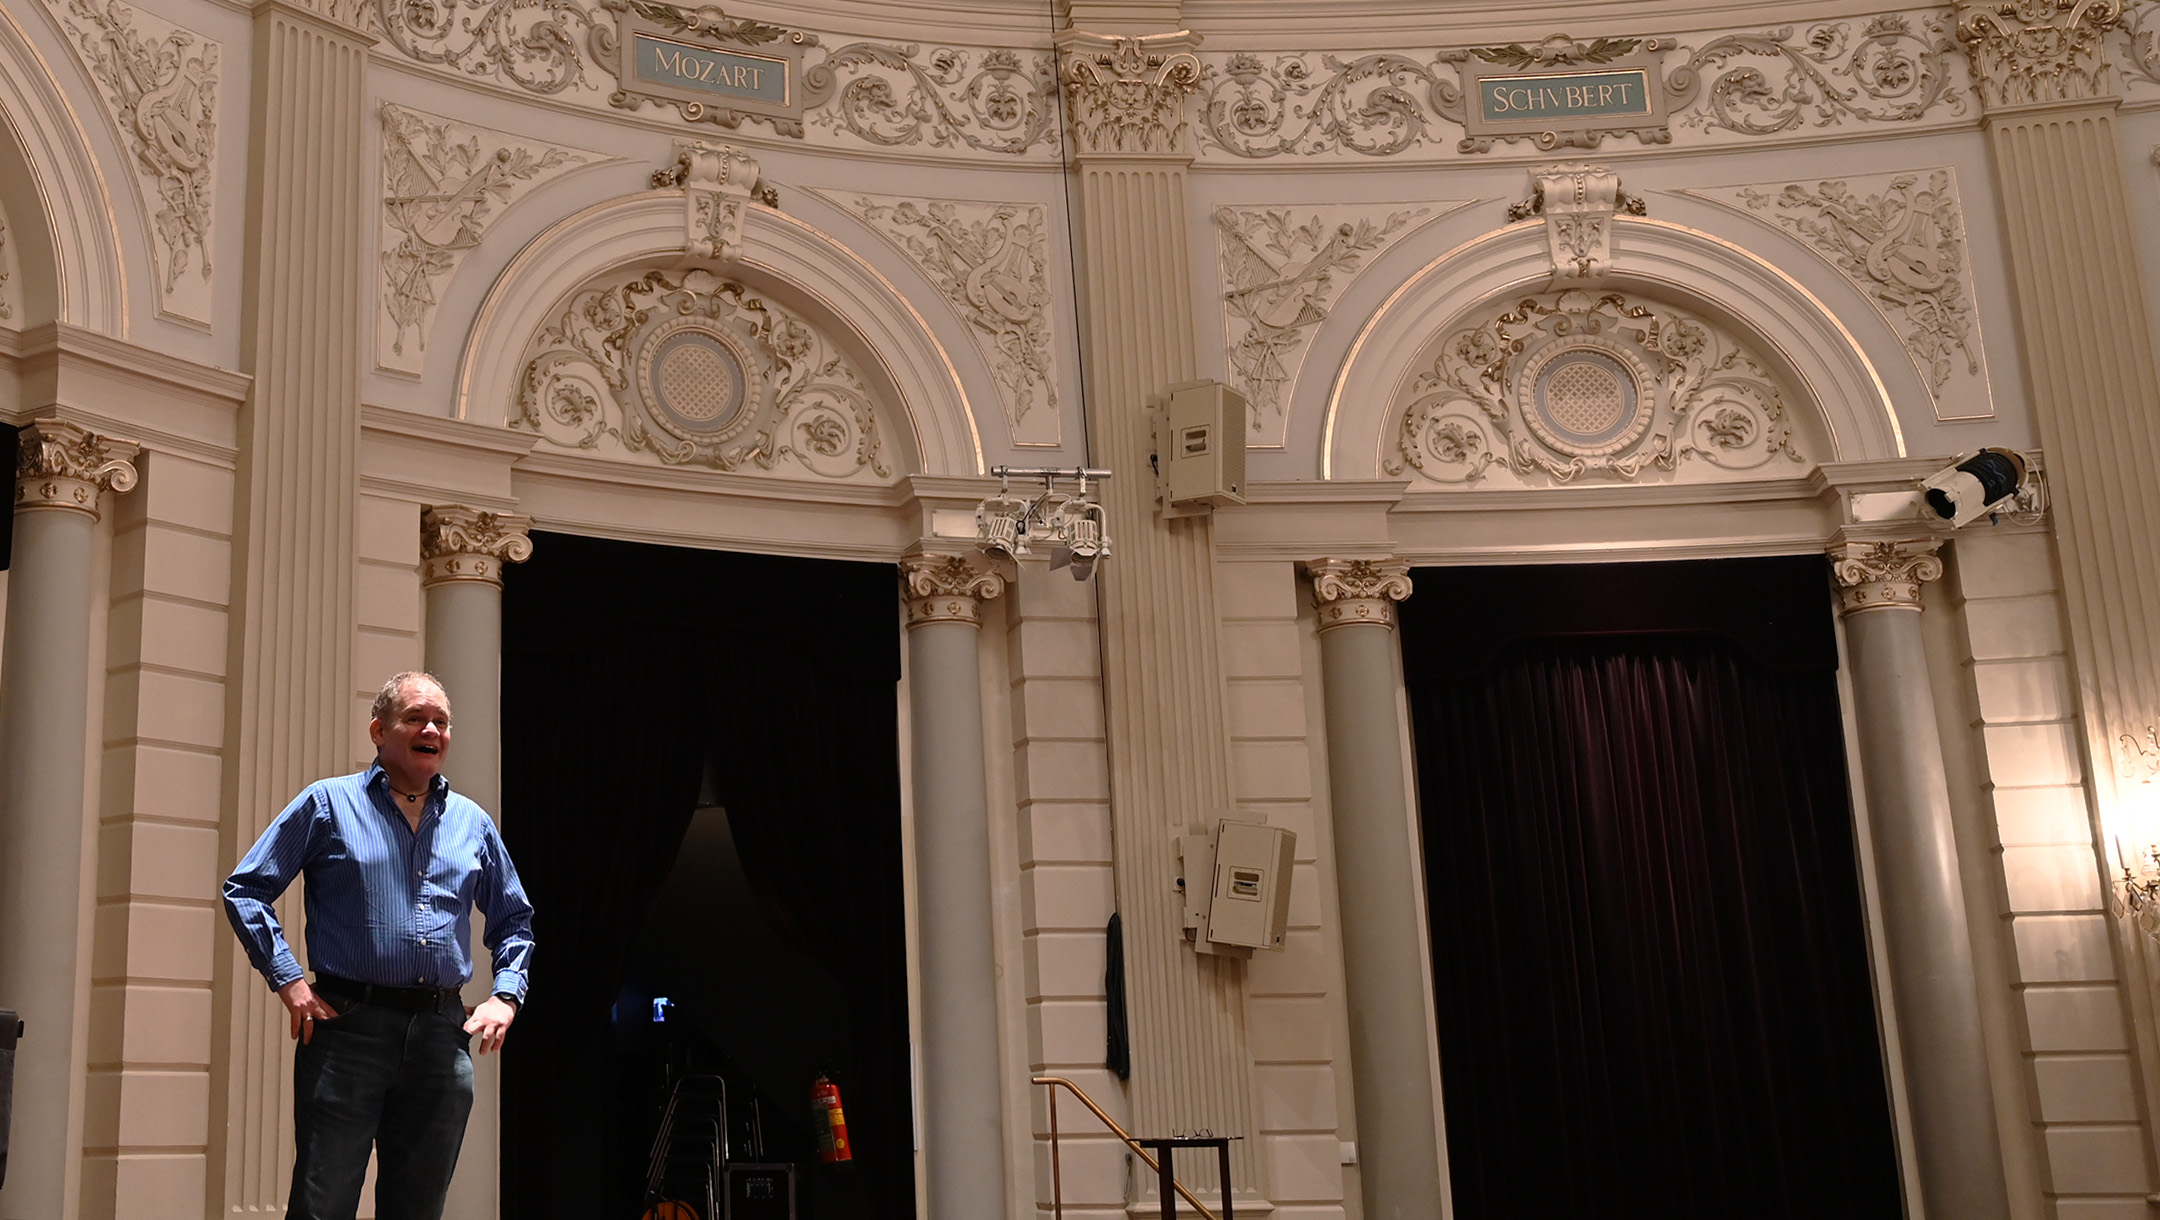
(712, 68)
(1567, 94)
(1575, 95)
(730, 75)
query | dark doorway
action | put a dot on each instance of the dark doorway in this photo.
(759, 938)
(1649, 953)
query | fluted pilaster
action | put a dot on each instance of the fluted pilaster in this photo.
(292, 695)
(45, 821)
(1166, 726)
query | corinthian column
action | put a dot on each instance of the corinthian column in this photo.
(963, 1115)
(1167, 736)
(1916, 870)
(1376, 864)
(2049, 95)
(290, 697)
(45, 735)
(462, 553)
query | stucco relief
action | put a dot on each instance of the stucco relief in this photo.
(1282, 269)
(683, 368)
(1131, 95)
(989, 260)
(1577, 386)
(994, 100)
(444, 182)
(159, 83)
(2028, 51)
(1900, 238)
(1895, 68)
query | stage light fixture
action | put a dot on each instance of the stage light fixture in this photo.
(1063, 513)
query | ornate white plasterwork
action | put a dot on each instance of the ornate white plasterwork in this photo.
(444, 183)
(1891, 70)
(1573, 386)
(1282, 269)
(989, 260)
(159, 83)
(683, 368)
(1900, 237)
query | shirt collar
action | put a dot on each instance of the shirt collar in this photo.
(438, 786)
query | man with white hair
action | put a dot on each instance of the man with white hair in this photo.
(394, 861)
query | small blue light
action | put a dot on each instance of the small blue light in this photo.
(660, 1005)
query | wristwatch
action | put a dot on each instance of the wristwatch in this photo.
(508, 998)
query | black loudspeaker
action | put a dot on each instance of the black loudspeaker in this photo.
(10, 1029)
(760, 1192)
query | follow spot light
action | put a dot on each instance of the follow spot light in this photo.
(1976, 486)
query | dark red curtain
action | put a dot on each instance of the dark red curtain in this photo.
(1650, 967)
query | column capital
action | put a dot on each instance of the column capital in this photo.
(1130, 95)
(2035, 52)
(947, 588)
(64, 465)
(460, 543)
(1348, 592)
(1884, 574)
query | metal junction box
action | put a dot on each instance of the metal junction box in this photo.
(1249, 905)
(1201, 445)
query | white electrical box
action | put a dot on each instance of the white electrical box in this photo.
(1200, 445)
(1237, 886)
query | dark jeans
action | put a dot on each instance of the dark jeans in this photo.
(378, 1076)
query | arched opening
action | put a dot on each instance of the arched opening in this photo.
(765, 911)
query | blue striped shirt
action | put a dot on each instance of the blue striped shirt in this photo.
(385, 904)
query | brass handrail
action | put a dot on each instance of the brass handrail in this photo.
(1057, 1190)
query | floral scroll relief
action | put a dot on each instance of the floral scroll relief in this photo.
(1897, 68)
(1576, 386)
(444, 182)
(531, 44)
(997, 100)
(687, 369)
(1282, 269)
(1901, 239)
(160, 82)
(989, 261)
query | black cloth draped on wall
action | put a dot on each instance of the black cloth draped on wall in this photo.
(625, 666)
(1650, 965)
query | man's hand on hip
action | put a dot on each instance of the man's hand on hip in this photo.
(305, 1007)
(492, 1022)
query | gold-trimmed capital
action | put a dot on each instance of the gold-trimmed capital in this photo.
(460, 543)
(64, 465)
(1129, 95)
(1884, 575)
(948, 588)
(2033, 52)
(1348, 592)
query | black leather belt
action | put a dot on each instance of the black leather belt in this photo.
(408, 999)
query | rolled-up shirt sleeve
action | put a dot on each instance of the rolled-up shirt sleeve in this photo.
(501, 897)
(262, 875)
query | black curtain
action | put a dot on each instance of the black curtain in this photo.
(625, 667)
(1649, 960)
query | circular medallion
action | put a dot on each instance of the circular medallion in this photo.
(693, 380)
(1584, 401)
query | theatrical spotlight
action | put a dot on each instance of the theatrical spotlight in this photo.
(1070, 520)
(1962, 493)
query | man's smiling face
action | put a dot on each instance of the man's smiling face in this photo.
(413, 741)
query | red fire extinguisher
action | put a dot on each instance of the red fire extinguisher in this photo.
(831, 1122)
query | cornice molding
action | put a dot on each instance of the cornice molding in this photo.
(53, 344)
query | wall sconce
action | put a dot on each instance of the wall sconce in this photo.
(1069, 520)
(2139, 767)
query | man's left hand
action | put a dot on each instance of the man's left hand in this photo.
(491, 1021)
